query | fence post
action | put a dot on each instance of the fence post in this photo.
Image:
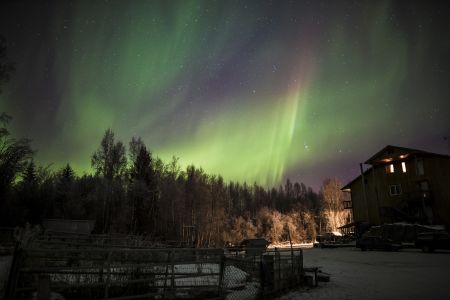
(278, 257)
(43, 289)
(169, 254)
(108, 274)
(267, 275)
(172, 280)
(13, 277)
(300, 266)
(221, 274)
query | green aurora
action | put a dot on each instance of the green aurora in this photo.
(252, 91)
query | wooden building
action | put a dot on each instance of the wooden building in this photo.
(401, 185)
(69, 226)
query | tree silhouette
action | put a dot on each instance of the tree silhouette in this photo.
(109, 160)
(13, 153)
(156, 199)
(14, 156)
(64, 187)
(143, 190)
(28, 192)
(6, 67)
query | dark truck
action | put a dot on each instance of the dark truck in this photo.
(327, 239)
(333, 240)
(377, 239)
(429, 241)
(254, 247)
(392, 237)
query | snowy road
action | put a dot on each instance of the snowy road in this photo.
(378, 275)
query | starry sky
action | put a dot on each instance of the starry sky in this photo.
(252, 90)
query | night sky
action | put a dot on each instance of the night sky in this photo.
(252, 90)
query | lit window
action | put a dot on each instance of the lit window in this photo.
(390, 168)
(395, 189)
(404, 167)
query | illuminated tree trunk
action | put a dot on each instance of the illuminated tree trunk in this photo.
(333, 208)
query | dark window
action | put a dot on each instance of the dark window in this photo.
(419, 167)
(424, 186)
(395, 189)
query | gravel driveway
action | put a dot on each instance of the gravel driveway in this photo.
(407, 274)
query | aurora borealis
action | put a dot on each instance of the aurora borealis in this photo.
(252, 90)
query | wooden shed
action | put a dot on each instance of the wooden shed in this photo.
(69, 226)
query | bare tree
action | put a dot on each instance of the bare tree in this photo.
(333, 208)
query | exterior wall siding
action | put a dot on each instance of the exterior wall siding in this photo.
(413, 201)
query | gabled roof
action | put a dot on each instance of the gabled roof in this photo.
(347, 186)
(389, 150)
(392, 153)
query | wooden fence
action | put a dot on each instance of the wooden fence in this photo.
(116, 273)
(57, 239)
(78, 272)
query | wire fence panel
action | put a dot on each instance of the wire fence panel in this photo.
(241, 278)
(117, 273)
(173, 273)
(250, 276)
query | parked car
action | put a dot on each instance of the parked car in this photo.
(394, 236)
(327, 239)
(374, 239)
(368, 242)
(429, 241)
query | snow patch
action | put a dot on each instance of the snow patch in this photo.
(284, 245)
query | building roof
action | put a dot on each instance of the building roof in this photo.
(390, 150)
(347, 186)
(391, 153)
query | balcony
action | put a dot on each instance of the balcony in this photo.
(347, 204)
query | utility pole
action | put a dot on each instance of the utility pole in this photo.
(364, 191)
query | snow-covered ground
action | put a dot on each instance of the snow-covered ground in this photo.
(355, 275)
(287, 245)
(378, 275)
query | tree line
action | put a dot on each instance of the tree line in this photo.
(137, 193)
